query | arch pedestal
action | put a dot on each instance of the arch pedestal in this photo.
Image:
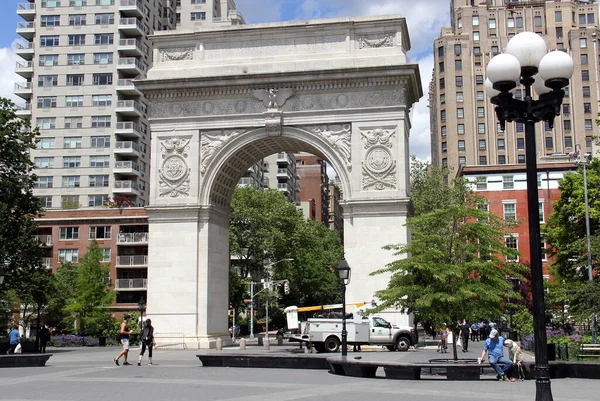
(341, 91)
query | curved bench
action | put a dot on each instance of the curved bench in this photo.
(23, 360)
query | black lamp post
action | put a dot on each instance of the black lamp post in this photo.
(141, 305)
(526, 60)
(343, 271)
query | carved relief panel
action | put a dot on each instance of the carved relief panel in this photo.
(378, 163)
(174, 171)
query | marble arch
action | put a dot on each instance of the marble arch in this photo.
(219, 100)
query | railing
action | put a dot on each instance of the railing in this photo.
(26, 106)
(132, 238)
(25, 25)
(25, 7)
(131, 283)
(131, 60)
(130, 42)
(130, 21)
(170, 340)
(27, 64)
(132, 260)
(126, 145)
(125, 184)
(127, 165)
(127, 3)
(45, 239)
(128, 104)
(24, 46)
(123, 125)
(24, 86)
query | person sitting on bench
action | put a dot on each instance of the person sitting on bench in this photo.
(493, 347)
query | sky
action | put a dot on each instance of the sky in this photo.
(423, 17)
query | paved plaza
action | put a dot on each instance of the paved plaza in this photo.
(89, 374)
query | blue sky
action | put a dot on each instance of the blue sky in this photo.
(424, 20)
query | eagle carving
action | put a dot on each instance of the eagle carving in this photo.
(273, 98)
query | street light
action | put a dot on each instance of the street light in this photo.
(141, 306)
(525, 56)
(268, 288)
(343, 271)
(576, 155)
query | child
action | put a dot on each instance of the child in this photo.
(516, 355)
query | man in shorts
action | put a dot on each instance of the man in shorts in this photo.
(124, 334)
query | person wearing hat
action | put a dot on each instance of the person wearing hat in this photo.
(494, 348)
(147, 341)
(124, 334)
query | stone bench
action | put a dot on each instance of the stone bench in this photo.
(23, 360)
(238, 360)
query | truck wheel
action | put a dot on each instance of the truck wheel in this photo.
(391, 347)
(402, 344)
(332, 344)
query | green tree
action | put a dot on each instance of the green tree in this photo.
(19, 248)
(457, 267)
(55, 315)
(92, 293)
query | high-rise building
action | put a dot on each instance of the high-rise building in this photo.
(464, 127)
(283, 175)
(193, 14)
(314, 185)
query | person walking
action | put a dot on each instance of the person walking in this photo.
(44, 338)
(465, 333)
(494, 348)
(124, 334)
(147, 340)
(14, 339)
(474, 332)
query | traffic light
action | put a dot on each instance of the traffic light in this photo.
(286, 288)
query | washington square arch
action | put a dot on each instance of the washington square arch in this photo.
(222, 99)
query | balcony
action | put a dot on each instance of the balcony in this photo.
(132, 238)
(126, 187)
(47, 263)
(285, 188)
(130, 47)
(133, 260)
(131, 26)
(126, 168)
(24, 68)
(127, 148)
(26, 11)
(131, 284)
(45, 239)
(24, 90)
(25, 50)
(126, 87)
(131, 66)
(26, 29)
(24, 111)
(129, 108)
(128, 129)
(131, 8)
(283, 158)
(283, 173)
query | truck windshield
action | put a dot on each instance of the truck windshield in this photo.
(379, 322)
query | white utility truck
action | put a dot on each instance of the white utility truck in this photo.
(325, 334)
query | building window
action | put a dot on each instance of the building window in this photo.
(586, 91)
(444, 147)
(585, 75)
(99, 161)
(568, 141)
(49, 41)
(481, 112)
(547, 126)
(588, 124)
(72, 162)
(584, 59)
(69, 201)
(73, 122)
(441, 66)
(492, 23)
(75, 79)
(77, 19)
(458, 65)
(76, 40)
(481, 128)
(76, 59)
(100, 142)
(462, 160)
(501, 159)
(581, 19)
(476, 36)
(100, 121)
(46, 143)
(443, 116)
(443, 98)
(479, 79)
(46, 102)
(46, 201)
(70, 181)
(47, 80)
(566, 109)
(50, 3)
(68, 255)
(590, 18)
(74, 101)
(198, 16)
(444, 131)
(559, 32)
(477, 51)
(512, 243)
(483, 160)
(459, 81)
(521, 159)
(97, 200)
(72, 142)
(482, 145)
(444, 162)
(481, 183)
(587, 107)
(480, 96)
(501, 144)
(508, 182)
(457, 50)
(101, 100)
(461, 145)
(510, 22)
(558, 16)
(460, 112)
(44, 182)
(45, 122)
(100, 232)
(519, 22)
(441, 51)
(103, 79)
(495, 50)
(50, 20)
(48, 60)
(459, 97)
(103, 58)
(509, 211)
(105, 19)
(549, 143)
(106, 255)
(588, 142)
(68, 233)
(103, 39)
(460, 129)
(537, 21)
(98, 181)
(567, 125)
(499, 129)
(475, 20)
(541, 212)
(44, 162)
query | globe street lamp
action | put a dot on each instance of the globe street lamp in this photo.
(584, 163)
(343, 271)
(527, 61)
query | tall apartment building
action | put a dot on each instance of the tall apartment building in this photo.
(194, 14)
(282, 175)
(464, 128)
(314, 185)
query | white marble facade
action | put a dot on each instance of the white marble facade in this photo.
(222, 99)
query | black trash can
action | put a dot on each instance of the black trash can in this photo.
(551, 350)
(102, 341)
(513, 335)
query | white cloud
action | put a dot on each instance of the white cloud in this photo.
(8, 59)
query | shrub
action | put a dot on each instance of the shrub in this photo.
(70, 340)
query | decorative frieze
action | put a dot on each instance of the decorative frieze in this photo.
(210, 142)
(366, 42)
(379, 165)
(176, 54)
(174, 173)
(338, 136)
